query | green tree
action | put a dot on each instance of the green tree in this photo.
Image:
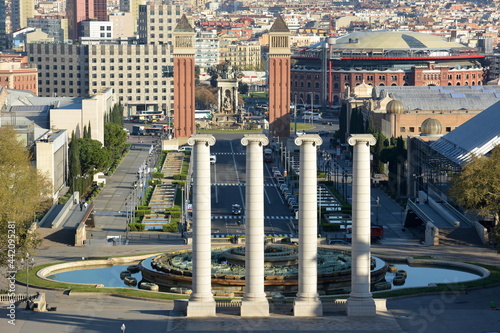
(115, 139)
(477, 187)
(75, 168)
(243, 88)
(24, 192)
(93, 156)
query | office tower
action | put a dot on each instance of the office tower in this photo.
(21, 11)
(82, 10)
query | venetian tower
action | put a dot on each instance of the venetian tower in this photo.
(184, 85)
(279, 79)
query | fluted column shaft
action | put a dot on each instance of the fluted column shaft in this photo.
(361, 228)
(307, 302)
(201, 302)
(254, 301)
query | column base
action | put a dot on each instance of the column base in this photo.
(254, 308)
(200, 309)
(307, 308)
(361, 307)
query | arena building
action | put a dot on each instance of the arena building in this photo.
(322, 72)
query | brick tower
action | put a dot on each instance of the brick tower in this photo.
(183, 52)
(279, 79)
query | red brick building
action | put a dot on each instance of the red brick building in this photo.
(322, 72)
(16, 73)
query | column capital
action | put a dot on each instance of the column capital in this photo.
(208, 139)
(259, 138)
(315, 139)
(369, 139)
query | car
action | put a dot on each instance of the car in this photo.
(186, 148)
(236, 209)
(338, 242)
(213, 159)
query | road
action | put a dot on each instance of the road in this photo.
(228, 188)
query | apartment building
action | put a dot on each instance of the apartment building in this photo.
(206, 48)
(245, 55)
(16, 73)
(95, 32)
(157, 22)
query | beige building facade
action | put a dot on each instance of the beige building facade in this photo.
(140, 75)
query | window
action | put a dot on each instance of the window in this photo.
(412, 129)
(402, 129)
(448, 129)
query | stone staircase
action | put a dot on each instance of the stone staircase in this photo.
(459, 236)
(172, 165)
(163, 197)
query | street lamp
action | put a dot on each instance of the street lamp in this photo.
(377, 201)
(345, 185)
(28, 263)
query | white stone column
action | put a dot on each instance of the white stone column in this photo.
(360, 301)
(307, 303)
(254, 303)
(201, 303)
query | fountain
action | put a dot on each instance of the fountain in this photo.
(174, 270)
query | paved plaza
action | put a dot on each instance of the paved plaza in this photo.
(441, 312)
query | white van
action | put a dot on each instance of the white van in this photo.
(213, 159)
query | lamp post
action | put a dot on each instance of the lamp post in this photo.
(28, 263)
(344, 183)
(377, 201)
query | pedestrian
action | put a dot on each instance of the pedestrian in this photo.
(81, 206)
(85, 205)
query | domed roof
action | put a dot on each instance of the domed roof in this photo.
(431, 126)
(387, 40)
(395, 107)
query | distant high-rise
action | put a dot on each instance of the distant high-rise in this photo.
(157, 22)
(3, 33)
(21, 11)
(81, 10)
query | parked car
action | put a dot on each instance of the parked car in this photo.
(186, 148)
(213, 159)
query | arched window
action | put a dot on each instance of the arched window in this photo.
(316, 85)
(308, 84)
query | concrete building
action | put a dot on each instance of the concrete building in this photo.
(16, 73)
(96, 32)
(63, 68)
(157, 22)
(45, 124)
(124, 26)
(56, 28)
(140, 75)
(21, 11)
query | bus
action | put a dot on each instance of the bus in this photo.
(147, 117)
(202, 114)
(268, 155)
(311, 115)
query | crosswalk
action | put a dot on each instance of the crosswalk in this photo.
(266, 235)
(242, 217)
(228, 153)
(239, 184)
